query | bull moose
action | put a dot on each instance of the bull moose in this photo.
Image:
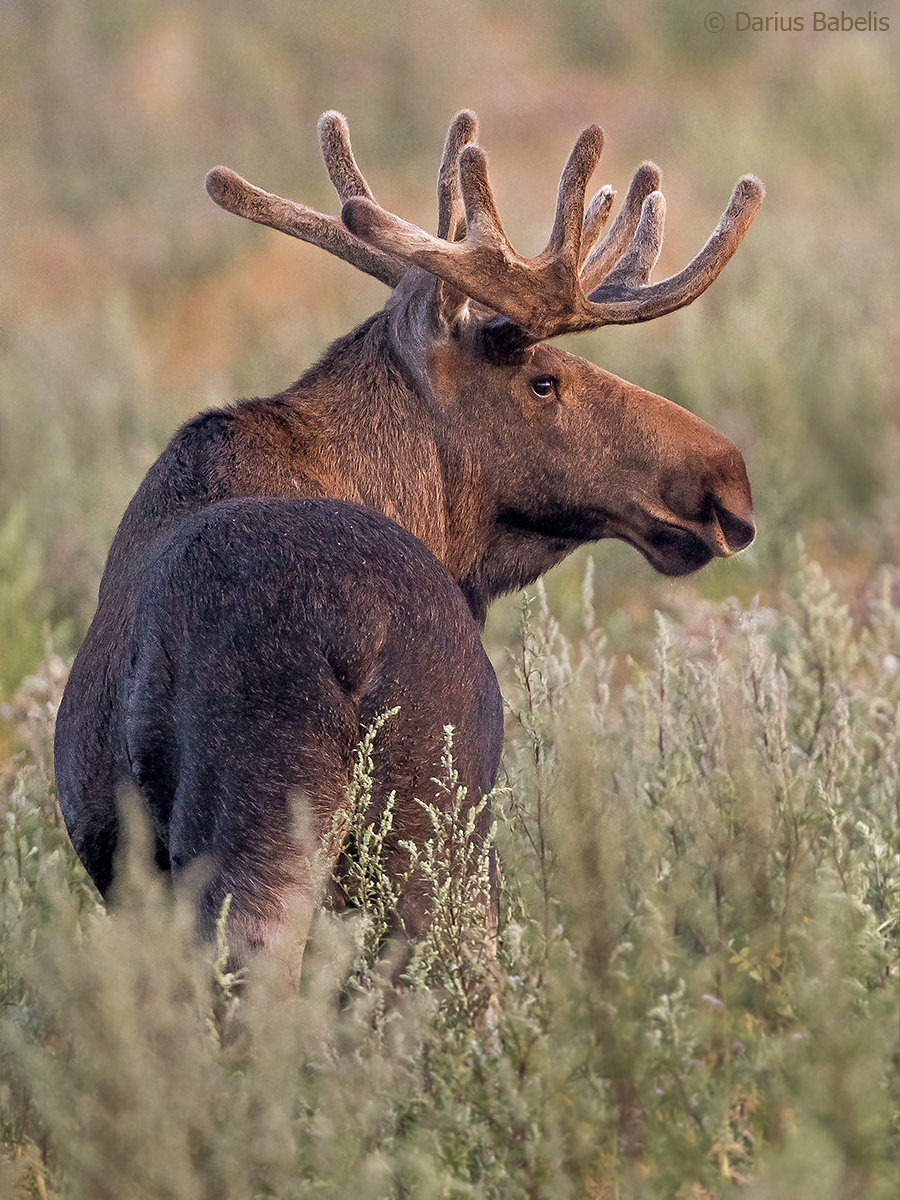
(292, 566)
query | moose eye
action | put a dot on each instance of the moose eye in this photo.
(544, 386)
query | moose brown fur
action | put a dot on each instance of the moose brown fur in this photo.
(292, 566)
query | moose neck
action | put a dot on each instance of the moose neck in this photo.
(369, 438)
(488, 552)
(384, 436)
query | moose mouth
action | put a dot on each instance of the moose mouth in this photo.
(669, 547)
(672, 550)
(675, 549)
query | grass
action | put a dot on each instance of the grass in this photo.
(695, 986)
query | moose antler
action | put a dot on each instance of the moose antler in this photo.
(571, 286)
(564, 289)
(236, 195)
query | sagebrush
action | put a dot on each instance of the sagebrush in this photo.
(694, 985)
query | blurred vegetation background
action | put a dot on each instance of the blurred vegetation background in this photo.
(744, 998)
(129, 302)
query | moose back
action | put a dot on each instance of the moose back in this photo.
(294, 565)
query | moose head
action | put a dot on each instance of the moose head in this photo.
(539, 451)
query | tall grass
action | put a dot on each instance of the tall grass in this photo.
(696, 978)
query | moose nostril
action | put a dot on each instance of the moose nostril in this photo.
(738, 533)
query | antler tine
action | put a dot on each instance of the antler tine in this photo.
(463, 131)
(610, 250)
(634, 266)
(482, 218)
(334, 140)
(595, 217)
(626, 298)
(565, 238)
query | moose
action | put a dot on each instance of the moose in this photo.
(292, 567)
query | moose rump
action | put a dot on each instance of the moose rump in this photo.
(269, 634)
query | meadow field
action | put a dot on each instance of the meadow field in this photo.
(696, 987)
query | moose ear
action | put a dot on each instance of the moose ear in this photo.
(448, 309)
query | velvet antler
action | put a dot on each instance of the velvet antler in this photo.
(572, 285)
(565, 288)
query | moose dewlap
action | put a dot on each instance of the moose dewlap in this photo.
(292, 566)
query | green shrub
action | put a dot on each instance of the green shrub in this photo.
(695, 978)
(129, 303)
